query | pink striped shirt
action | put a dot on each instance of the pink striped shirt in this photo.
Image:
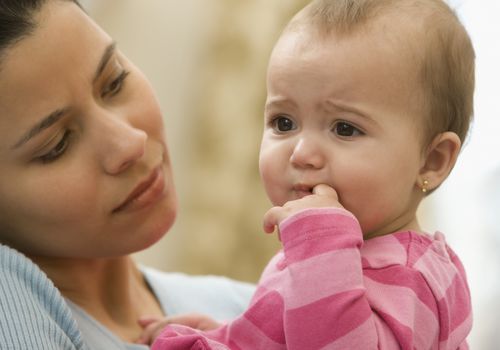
(329, 289)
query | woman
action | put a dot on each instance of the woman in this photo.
(85, 181)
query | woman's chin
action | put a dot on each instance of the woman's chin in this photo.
(158, 231)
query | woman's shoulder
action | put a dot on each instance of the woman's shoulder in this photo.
(220, 297)
(33, 314)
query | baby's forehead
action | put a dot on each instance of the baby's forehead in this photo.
(402, 23)
(371, 69)
(426, 35)
(395, 38)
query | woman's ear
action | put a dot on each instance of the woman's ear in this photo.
(439, 160)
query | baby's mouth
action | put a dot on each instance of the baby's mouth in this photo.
(302, 190)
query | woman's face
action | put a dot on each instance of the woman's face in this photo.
(85, 170)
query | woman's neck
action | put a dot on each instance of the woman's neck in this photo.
(113, 291)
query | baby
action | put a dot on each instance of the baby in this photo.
(368, 104)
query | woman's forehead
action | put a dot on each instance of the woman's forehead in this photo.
(65, 46)
(40, 72)
(63, 33)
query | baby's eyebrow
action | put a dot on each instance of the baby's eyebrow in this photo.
(279, 103)
(344, 107)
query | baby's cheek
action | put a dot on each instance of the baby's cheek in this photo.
(275, 188)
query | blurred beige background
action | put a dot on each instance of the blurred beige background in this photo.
(207, 61)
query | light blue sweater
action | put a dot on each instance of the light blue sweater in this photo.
(33, 314)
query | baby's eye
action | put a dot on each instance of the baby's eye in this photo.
(346, 130)
(283, 124)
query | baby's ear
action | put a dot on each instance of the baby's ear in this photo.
(440, 158)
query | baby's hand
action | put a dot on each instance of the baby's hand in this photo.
(322, 196)
(153, 326)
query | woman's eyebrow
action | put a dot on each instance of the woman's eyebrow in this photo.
(55, 116)
(108, 53)
(45, 123)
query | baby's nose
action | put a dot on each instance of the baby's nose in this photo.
(308, 153)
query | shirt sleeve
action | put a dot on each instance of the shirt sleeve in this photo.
(33, 314)
(335, 300)
(288, 291)
(315, 295)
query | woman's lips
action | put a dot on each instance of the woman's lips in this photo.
(145, 193)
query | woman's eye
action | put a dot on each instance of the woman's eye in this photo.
(57, 150)
(283, 124)
(346, 130)
(116, 85)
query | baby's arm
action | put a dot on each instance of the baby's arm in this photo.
(417, 301)
(322, 289)
(153, 326)
(251, 330)
(314, 294)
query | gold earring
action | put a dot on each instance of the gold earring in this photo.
(424, 186)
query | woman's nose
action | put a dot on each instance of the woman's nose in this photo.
(123, 145)
(308, 153)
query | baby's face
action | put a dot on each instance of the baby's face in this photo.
(343, 112)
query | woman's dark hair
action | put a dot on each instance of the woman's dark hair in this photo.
(17, 20)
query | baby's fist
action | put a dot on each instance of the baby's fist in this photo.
(323, 196)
